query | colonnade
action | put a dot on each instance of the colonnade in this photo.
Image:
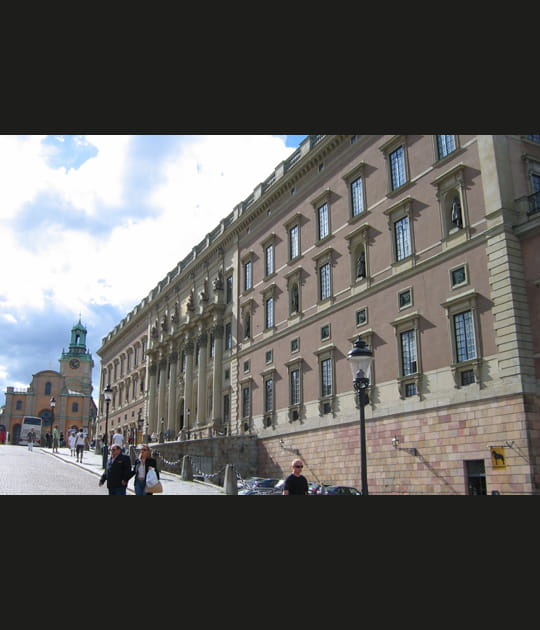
(191, 391)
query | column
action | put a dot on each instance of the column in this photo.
(188, 386)
(171, 413)
(202, 403)
(151, 409)
(162, 390)
(217, 392)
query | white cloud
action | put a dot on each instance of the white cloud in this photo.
(106, 232)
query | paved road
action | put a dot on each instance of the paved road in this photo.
(33, 472)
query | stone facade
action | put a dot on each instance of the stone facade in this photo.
(423, 245)
(71, 387)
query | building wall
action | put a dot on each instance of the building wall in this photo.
(445, 438)
(446, 408)
(128, 381)
(34, 401)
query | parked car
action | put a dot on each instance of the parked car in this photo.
(341, 490)
(248, 483)
(259, 485)
(314, 488)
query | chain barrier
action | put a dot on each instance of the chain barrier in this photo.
(197, 471)
(209, 477)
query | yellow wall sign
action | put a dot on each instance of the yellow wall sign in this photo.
(498, 458)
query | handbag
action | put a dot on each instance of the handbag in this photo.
(156, 488)
(153, 484)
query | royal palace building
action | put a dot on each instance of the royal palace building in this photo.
(425, 246)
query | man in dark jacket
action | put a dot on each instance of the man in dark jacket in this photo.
(118, 472)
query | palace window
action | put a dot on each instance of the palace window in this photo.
(398, 175)
(446, 144)
(248, 275)
(269, 312)
(407, 331)
(326, 379)
(466, 356)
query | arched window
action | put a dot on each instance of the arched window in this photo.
(48, 389)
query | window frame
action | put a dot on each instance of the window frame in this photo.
(247, 274)
(357, 173)
(325, 261)
(456, 305)
(408, 324)
(388, 149)
(295, 405)
(326, 360)
(269, 247)
(294, 224)
(323, 220)
(441, 139)
(397, 213)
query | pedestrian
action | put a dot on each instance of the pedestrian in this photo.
(31, 438)
(79, 445)
(118, 472)
(140, 468)
(71, 442)
(296, 483)
(48, 440)
(118, 439)
(55, 439)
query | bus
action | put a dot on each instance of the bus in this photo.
(30, 422)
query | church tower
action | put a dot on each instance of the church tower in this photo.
(76, 364)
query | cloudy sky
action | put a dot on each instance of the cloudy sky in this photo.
(89, 224)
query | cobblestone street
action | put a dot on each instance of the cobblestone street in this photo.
(36, 472)
(42, 472)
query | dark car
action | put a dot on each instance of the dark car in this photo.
(341, 490)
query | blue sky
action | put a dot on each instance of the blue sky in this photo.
(89, 224)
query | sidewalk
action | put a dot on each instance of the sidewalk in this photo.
(172, 484)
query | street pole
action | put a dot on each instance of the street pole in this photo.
(362, 401)
(108, 395)
(52, 402)
(360, 360)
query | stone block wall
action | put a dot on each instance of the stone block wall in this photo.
(210, 456)
(444, 439)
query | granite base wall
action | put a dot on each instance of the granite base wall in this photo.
(210, 456)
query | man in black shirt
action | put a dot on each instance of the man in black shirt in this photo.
(296, 483)
(118, 472)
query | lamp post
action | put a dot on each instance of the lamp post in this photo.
(52, 403)
(360, 360)
(107, 394)
(140, 423)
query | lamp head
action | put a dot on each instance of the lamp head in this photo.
(360, 360)
(107, 393)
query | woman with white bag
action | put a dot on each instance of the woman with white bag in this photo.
(140, 470)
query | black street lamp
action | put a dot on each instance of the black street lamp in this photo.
(140, 423)
(361, 358)
(52, 403)
(107, 394)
